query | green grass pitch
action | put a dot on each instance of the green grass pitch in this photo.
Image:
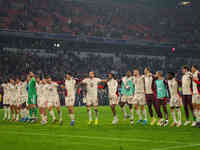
(19, 136)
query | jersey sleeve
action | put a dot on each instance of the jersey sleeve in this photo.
(98, 80)
(84, 80)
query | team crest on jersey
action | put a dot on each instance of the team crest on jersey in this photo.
(91, 85)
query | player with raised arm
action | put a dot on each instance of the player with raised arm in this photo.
(175, 99)
(70, 86)
(91, 96)
(127, 91)
(139, 96)
(113, 99)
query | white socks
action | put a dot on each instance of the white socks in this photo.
(174, 115)
(72, 117)
(179, 114)
(9, 113)
(124, 111)
(90, 114)
(139, 114)
(131, 113)
(96, 113)
(144, 114)
(52, 114)
(22, 113)
(5, 112)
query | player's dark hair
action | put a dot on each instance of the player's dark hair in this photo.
(160, 73)
(137, 69)
(186, 67)
(147, 68)
(195, 66)
(69, 73)
(172, 74)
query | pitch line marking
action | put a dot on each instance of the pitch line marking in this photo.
(177, 147)
(90, 137)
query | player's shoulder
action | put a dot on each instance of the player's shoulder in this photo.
(97, 79)
(85, 79)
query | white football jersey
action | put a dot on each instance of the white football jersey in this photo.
(92, 86)
(139, 84)
(194, 84)
(70, 87)
(52, 89)
(173, 87)
(186, 83)
(148, 84)
(112, 87)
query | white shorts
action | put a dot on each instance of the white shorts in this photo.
(54, 101)
(13, 101)
(175, 101)
(113, 99)
(128, 99)
(6, 100)
(196, 99)
(69, 100)
(92, 100)
(139, 98)
(18, 101)
(42, 102)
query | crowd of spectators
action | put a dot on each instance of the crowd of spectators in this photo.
(80, 63)
(17, 63)
(103, 18)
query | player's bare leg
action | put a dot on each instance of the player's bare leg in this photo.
(59, 115)
(137, 109)
(115, 119)
(52, 114)
(131, 114)
(71, 114)
(34, 113)
(198, 115)
(5, 113)
(144, 114)
(195, 113)
(43, 116)
(9, 112)
(89, 114)
(17, 110)
(174, 123)
(96, 115)
(13, 112)
(123, 108)
(179, 123)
